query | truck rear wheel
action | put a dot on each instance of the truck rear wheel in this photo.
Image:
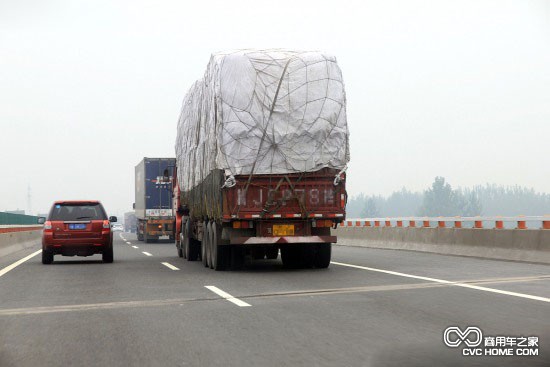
(322, 255)
(210, 245)
(271, 253)
(179, 246)
(237, 257)
(194, 249)
(219, 251)
(191, 245)
(204, 247)
(290, 255)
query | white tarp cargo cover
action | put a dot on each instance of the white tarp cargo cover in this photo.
(263, 112)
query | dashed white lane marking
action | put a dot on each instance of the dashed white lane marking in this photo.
(146, 253)
(18, 262)
(129, 242)
(227, 296)
(442, 281)
(170, 266)
(135, 247)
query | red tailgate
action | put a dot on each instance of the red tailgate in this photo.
(307, 195)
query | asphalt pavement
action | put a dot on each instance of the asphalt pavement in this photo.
(371, 307)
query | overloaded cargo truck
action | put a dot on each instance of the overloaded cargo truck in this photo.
(153, 200)
(261, 152)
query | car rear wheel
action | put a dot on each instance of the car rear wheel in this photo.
(47, 257)
(108, 255)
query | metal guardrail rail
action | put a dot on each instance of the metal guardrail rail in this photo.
(490, 222)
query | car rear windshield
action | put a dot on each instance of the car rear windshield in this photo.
(92, 211)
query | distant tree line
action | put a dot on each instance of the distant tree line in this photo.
(442, 200)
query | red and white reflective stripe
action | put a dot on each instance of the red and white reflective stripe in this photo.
(252, 215)
(276, 216)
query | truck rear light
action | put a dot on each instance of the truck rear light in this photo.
(160, 226)
(321, 223)
(48, 226)
(106, 224)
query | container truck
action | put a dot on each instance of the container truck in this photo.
(153, 199)
(261, 152)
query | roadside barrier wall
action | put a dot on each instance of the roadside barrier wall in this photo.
(16, 238)
(518, 244)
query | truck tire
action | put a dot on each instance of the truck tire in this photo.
(237, 257)
(47, 257)
(209, 247)
(194, 249)
(192, 245)
(271, 253)
(322, 255)
(291, 255)
(204, 248)
(219, 251)
(108, 255)
(307, 256)
(179, 246)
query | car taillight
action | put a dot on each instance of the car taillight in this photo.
(106, 224)
(48, 226)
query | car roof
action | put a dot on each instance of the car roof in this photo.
(77, 202)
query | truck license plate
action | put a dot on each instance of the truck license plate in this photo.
(283, 230)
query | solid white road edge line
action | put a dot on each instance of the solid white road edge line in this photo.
(170, 266)
(442, 281)
(18, 262)
(227, 296)
(146, 253)
(135, 247)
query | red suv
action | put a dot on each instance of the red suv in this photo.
(78, 228)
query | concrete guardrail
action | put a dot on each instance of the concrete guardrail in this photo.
(18, 237)
(435, 235)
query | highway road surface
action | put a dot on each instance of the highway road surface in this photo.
(369, 308)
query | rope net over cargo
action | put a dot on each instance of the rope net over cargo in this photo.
(263, 112)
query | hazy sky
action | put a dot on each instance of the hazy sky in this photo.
(459, 89)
